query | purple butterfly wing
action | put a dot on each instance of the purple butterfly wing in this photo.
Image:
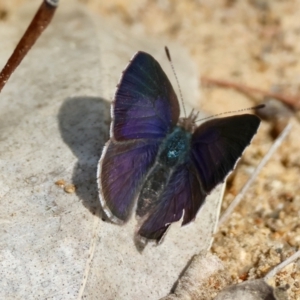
(145, 109)
(215, 148)
(123, 167)
(217, 145)
(145, 105)
(183, 194)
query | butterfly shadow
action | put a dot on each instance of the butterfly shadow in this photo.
(84, 126)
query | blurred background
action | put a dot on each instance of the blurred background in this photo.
(253, 43)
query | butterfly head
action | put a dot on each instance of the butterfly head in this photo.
(189, 123)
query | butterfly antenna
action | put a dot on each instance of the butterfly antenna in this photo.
(233, 111)
(173, 69)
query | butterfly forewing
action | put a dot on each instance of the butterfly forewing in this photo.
(218, 144)
(145, 104)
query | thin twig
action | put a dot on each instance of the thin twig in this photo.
(38, 24)
(293, 102)
(266, 158)
(279, 267)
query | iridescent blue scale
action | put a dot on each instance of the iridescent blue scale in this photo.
(175, 148)
(159, 159)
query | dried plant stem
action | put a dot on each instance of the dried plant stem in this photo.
(293, 102)
(38, 24)
(282, 265)
(266, 158)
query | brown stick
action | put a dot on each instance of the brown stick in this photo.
(293, 102)
(38, 24)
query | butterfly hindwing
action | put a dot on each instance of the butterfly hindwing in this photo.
(123, 168)
(182, 195)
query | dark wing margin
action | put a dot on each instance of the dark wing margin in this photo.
(145, 104)
(218, 144)
(121, 171)
(183, 196)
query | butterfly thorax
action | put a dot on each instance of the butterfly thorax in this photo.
(175, 147)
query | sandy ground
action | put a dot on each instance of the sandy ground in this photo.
(256, 43)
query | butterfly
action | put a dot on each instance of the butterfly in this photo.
(162, 165)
